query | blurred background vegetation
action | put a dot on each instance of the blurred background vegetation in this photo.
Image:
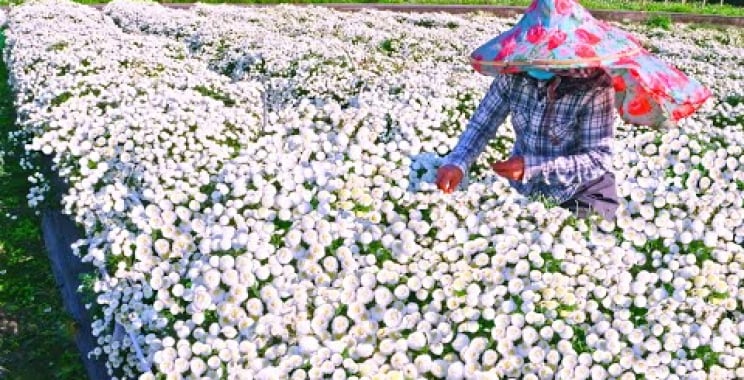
(717, 7)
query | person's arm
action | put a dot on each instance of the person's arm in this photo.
(482, 127)
(595, 124)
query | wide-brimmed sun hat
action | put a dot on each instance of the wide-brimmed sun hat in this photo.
(561, 34)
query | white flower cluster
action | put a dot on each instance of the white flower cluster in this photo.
(255, 186)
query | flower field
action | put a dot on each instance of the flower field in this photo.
(255, 188)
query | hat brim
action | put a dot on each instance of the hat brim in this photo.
(560, 34)
(648, 91)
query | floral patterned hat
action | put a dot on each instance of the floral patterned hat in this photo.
(561, 34)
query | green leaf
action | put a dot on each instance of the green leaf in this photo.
(341, 309)
(707, 355)
(578, 341)
(518, 301)
(381, 253)
(718, 295)
(551, 264)
(700, 250)
(216, 95)
(563, 308)
(638, 315)
(668, 287)
(426, 215)
(283, 224)
(62, 98)
(362, 208)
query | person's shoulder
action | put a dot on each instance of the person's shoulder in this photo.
(512, 77)
(504, 83)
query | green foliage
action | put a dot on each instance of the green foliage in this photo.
(578, 341)
(700, 250)
(234, 145)
(647, 249)
(669, 288)
(362, 208)
(426, 215)
(425, 23)
(331, 249)
(638, 315)
(87, 282)
(381, 253)
(486, 325)
(713, 296)
(335, 245)
(282, 228)
(277, 240)
(216, 95)
(43, 346)
(112, 262)
(706, 354)
(389, 46)
(61, 98)
(59, 46)
(283, 225)
(210, 316)
(548, 202)
(659, 21)
(342, 309)
(208, 189)
(734, 100)
(551, 264)
(564, 309)
(740, 185)
(518, 301)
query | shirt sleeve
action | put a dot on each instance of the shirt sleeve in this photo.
(594, 158)
(483, 125)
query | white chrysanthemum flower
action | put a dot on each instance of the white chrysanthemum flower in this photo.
(383, 296)
(274, 183)
(529, 335)
(212, 279)
(416, 341)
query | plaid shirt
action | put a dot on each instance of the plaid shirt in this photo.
(563, 126)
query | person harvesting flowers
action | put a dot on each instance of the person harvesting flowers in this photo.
(561, 74)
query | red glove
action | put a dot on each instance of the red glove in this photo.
(448, 178)
(513, 168)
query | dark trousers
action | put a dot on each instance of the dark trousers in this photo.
(599, 195)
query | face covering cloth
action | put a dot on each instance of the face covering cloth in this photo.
(540, 74)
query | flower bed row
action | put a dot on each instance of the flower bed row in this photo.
(255, 188)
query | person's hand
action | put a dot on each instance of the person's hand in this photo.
(448, 177)
(513, 168)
